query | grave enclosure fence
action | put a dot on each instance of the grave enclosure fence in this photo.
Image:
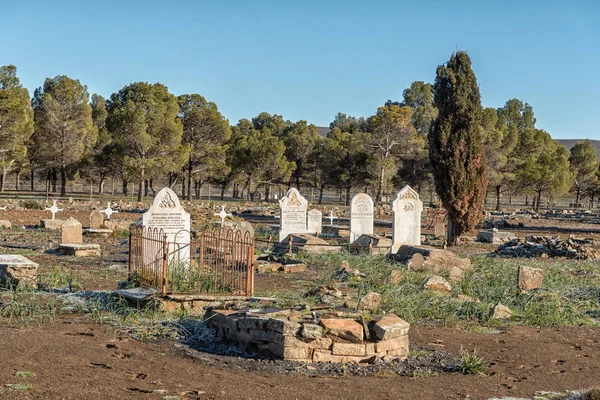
(221, 262)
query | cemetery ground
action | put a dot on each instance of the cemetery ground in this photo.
(68, 340)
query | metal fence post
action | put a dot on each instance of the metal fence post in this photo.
(165, 265)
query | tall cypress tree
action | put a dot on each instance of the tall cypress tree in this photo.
(455, 145)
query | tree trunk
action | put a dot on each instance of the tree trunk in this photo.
(498, 198)
(183, 187)
(189, 184)
(223, 187)
(125, 187)
(2, 180)
(151, 186)
(101, 186)
(591, 200)
(18, 180)
(141, 186)
(63, 181)
(54, 179)
(32, 180)
(578, 197)
(267, 191)
(380, 185)
(321, 190)
(452, 236)
(538, 200)
(346, 200)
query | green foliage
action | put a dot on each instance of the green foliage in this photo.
(144, 125)
(584, 166)
(471, 362)
(205, 132)
(258, 155)
(548, 171)
(392, 137)
(64, 130)
(31, 205)
(456, 147)
(16, 122)
(299, 139)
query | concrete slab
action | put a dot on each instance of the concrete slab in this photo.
(80, 249)
(18, 270)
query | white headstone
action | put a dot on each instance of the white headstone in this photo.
(361, 216)
(166, 213)
(292, 209)
(406, 225)
(315, 222)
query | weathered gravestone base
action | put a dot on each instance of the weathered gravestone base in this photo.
(337, 230)
(371, 244)
(494, 237)
(80, 249)
(117, 224)
(18, 270)
(307, 243)
(100, 232)
(52, 224)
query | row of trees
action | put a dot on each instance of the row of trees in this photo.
(143, 133)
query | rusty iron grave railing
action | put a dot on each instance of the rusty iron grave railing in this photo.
(216, 261)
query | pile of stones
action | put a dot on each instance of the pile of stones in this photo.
(331, 337)
(544, 247)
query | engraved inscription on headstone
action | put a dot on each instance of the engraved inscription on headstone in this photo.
(293, 214)
(406, 225)
(166, 213)
(315, 222)
(361, 216)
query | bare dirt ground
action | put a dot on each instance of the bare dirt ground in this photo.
(74, 358)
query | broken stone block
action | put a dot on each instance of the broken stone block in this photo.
(262, 266)
(495, 237)
(396, 276)
(289, 352)
(399, 342)
(294, 268)
(437, 283)
(349, 349)
(529, 278)
(371, 243)
(435, 260)
(347, 329)
(4, 224)
(307, 243)
(500, 311)
(311, 331)
(18, 270)
(321, 355)
(51, 224)
(321, 343)
(283, 327)
(369, 302)
(388, 327)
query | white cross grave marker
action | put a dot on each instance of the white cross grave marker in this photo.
(223, 214)
(3, 208)
(331, 218)
(53, 209)
(109, 211)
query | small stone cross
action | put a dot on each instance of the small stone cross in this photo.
(223, 214)
(53, 209)
(109, 211)
(331, 218)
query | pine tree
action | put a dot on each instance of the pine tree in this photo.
(456, 147)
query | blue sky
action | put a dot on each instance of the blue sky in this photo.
(311, 59)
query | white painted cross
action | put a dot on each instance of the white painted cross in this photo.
(223, 214)
(3, 208)
(53, 209)
(331, 218)
(109, 211)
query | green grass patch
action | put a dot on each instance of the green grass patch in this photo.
(26, 374)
